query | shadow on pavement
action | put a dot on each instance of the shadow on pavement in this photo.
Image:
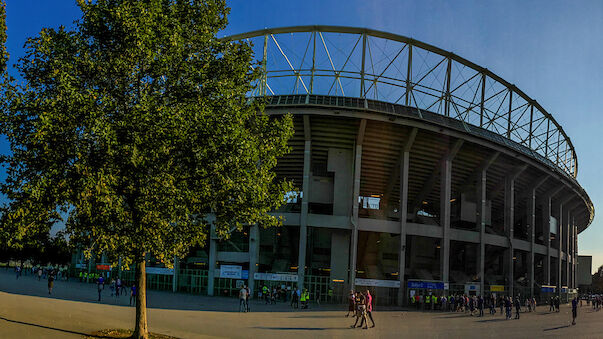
(301, 328)
(492, 320)
(87, 292)
(46, 327)
(556, 328)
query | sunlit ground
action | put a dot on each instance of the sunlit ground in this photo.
(27, 311)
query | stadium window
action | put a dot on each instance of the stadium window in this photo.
(370, 203)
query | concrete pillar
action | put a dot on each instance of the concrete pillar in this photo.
(531, 220)
(404, 168)
(176, 273)
(303, 219)
(445, 193)
(568, 253)
(354, 237)
(355, 195)
(575, 254)
(480, 218)
(211, 265)
(560, 247)
(403, 209)
(509, 220)
(546, 219)
(254, 252)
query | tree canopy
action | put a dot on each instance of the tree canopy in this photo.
(135, 123)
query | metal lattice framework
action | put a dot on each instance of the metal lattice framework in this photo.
(369, 64)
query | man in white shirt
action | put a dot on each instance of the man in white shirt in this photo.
(243, 299)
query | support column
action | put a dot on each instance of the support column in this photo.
(175, 276)
(211, 267)
(560, 247)
(508, 219)
(568, 253)
(546, 219)
(254, 251)
(403, 208)
(445, 193)
(531, 220)
(303, 218)
(355, 195)
(480, 219)
(575, 255)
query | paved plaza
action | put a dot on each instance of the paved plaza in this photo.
(27, 311)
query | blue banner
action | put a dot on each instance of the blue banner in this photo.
(548, 289)
(426, 284)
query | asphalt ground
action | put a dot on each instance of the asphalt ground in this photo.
(72, 311)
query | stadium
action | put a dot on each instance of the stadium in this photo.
(416, 171)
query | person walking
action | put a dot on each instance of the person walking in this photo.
(117, 287)
(360, 301)
(317, 297)
(508, 306)
(50, 282)
(480, 306)
(247, 298)
(551, 304)
(517, 307)
(133, 294)
(369, 308)
(100, 284)
(351, 304)
(298, 297)
(574, 310)
(17, 272)
(243, 299)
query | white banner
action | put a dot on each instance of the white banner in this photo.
(378, 283)
(160, 270)
(275, 277)
(230, 271)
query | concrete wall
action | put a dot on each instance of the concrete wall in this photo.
(585, 265)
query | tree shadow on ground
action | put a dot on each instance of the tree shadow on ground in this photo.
(46, 327)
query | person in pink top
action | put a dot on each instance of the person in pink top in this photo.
(369, 307)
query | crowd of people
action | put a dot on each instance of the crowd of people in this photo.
(299, 299)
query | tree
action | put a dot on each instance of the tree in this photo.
(136, 124)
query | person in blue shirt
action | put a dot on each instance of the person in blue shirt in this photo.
(101, 285)
(133, 294)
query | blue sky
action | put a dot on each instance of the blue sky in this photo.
(551, 50)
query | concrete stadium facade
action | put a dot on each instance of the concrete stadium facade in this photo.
(418, 171)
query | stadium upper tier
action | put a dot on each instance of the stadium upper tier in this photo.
(389, 68)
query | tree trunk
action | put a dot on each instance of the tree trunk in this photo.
(141, 331)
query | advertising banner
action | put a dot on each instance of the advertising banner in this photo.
(426, 284)
(497, 288)
(378, 283)
(160, 270)
(275, 277)
(231, 271)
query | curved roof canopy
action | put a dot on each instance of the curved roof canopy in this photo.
(369, 64)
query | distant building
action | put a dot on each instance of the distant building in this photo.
(585, 278)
